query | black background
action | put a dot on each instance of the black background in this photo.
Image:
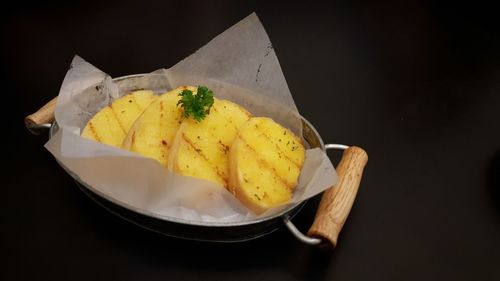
(415, 83)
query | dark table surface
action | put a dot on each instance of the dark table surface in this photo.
(416, 84)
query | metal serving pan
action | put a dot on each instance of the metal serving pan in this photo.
(332, 212)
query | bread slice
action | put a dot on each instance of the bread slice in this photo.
(265, 161)
(112, 123)
(200, 149)
(153, 132)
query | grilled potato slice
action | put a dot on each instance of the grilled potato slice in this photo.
(112, 123)
(265, 160)
(153, 132)
(200, 149)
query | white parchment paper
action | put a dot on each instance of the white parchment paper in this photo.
(239, 65)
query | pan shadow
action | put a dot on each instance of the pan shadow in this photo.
(277, 249)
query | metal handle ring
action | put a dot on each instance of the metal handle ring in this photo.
(37, 129)
(291, 227)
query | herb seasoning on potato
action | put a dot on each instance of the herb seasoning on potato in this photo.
(194, 134)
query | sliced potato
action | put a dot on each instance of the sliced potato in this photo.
(112, 123)
(153, 132)
(200, 149)
(264, 163)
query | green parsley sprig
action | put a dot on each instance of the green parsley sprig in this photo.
(196, 105)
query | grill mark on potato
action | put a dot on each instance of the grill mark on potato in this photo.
(268, 167)
(164, 149)
(283, 154)
(133, 138)
(117, 119)
(225, 117)
(134, 101)
(273, 141)
(200, 153)
(226, 181)
(94, 132)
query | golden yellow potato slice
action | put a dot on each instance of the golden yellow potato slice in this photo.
(112, 123)
(153, 132)
(265, 161)
(200, 149)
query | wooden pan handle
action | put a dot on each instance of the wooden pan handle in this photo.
(43, 115)
(336, 202)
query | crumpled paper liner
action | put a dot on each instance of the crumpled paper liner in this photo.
(238, 65)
